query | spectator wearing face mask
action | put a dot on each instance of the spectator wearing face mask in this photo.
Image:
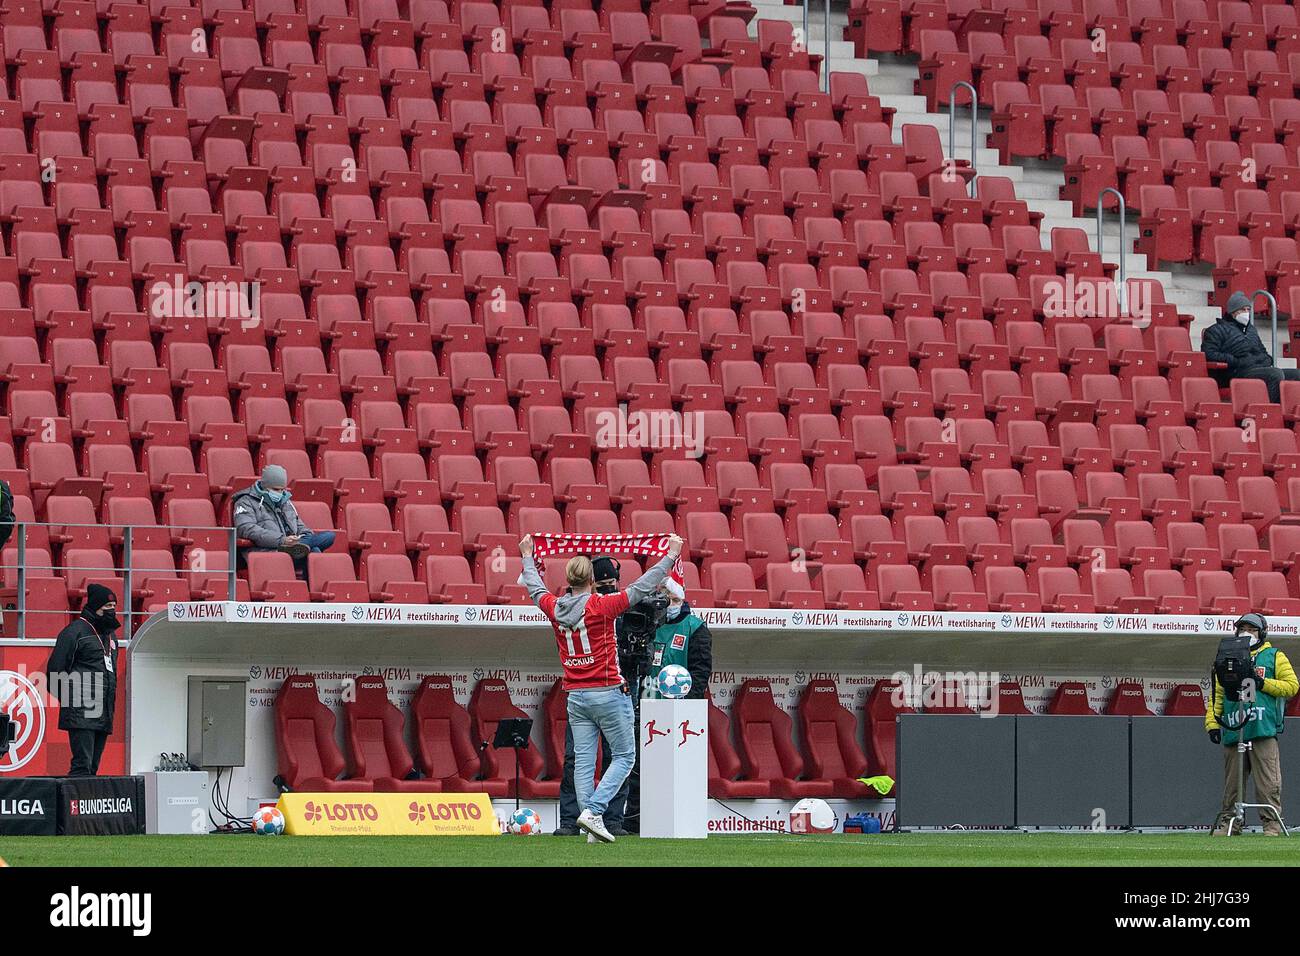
(265, 515)
(82, 674)
(682, 639)
(1234, 341)
(1276, 683)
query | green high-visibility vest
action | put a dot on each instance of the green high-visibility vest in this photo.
(671, 644)
(1266, 714)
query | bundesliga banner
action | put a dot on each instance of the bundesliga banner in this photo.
(243, 612)
(101, 806)
(388, 814)
(29, 806)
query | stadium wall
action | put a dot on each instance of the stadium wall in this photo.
(335, 643)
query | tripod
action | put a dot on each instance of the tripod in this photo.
(513, 733)
(1238, 722)
(1240, 807)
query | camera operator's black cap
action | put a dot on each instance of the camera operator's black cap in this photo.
(604, 569)
(1254, 620)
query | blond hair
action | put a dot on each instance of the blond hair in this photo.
(578, 571)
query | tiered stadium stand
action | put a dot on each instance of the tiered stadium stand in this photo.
(477, 229)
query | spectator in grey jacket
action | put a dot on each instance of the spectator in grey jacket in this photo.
(265, 515)
(1234, 341)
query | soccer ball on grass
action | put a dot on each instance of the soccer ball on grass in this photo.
(525, 822)
(268, 821)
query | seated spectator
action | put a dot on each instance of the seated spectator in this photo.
(1234, 341)
(265, 515)
(6, 512)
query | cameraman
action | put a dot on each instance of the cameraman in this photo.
(606, 571)
(679, 637)
(1275, 683)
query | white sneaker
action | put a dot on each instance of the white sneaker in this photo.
(595, 826)
(591, 839)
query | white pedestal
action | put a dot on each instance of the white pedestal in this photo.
(675, 768)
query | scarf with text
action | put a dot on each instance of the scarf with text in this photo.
(596, 545)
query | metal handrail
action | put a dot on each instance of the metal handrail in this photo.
(1272, 308)
(826, 60)
(805, 24)
(974, 123)
(1122, 289)
(21, 531)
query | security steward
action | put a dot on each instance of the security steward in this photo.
(82, 670)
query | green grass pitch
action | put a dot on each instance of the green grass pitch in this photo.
(930, 849)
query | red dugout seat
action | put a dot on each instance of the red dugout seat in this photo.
(489, 704)
(444, 740)
(830, 736)
(1071, 698)
(724, 763)
(767, 751)
(376, 741)
(882, 710)
(309, 759)
(1128, 700)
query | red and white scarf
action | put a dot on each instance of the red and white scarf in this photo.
(597, 545)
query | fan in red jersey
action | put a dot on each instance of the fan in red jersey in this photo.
(599, 700)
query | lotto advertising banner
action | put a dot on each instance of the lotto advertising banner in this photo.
(388, 814)
(240, 612)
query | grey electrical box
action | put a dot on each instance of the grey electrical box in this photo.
(216, 721)
(176, 802)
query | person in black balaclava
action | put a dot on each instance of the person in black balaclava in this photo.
(82, 672)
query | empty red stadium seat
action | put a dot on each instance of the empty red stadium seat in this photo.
(309, 758)
(766, 746)
(488, 705)
(1070, 698)
(1185, 700)
(445, 743)
(1128, 699)
(376, 741)
(884, 704)
(725, 764)
(830, 736)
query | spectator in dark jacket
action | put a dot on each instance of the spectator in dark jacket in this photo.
(265, 515)
(82, 671)
(6, 512)
(1234, 341)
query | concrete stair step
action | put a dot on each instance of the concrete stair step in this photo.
(1036, 194)
(903, 104)
(1038, 182)
(888, 84)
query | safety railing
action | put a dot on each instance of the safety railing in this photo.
(1272, 311)
(1121, 290)
(974, 127)
(826, 58)
(210, 553)
(825, 78)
